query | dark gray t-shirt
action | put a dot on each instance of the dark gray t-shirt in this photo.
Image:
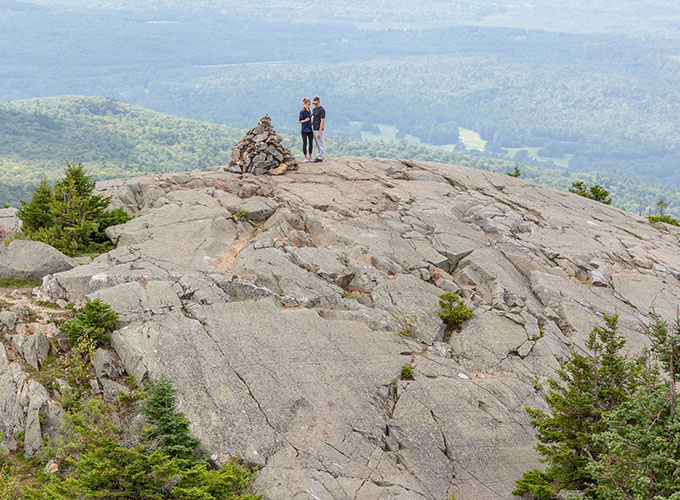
(317, 115)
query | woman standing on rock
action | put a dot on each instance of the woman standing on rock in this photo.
(307, 134)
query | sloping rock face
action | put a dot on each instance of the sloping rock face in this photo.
(24, 259)
(280, 330)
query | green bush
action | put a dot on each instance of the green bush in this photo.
(596, 192)
(663, 218)
(407, 372)
(8, 485)
(453, 310)
(69, 217)
(94, 464)
(95, 322)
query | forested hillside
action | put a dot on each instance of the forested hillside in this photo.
(116, 139)
(596, 102)
(112, 138)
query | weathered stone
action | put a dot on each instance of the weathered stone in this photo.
(10, 223)
(106, 365)
(35, 350)
(325, 263)
(406, 295)
(255, 209)
(280, 170)
(62, 340)
(20, 311)
(94, 386)
(260, 152)
(37, 403)
(24, 259)
(111, 390)
(8, 319)
(129, 300)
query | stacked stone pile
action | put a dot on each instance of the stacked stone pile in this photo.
(261, 152)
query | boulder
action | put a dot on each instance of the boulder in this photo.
(106, 365)
(36, 349)
(10, 223)
(8, 320)
(20, 311)
(24, 259)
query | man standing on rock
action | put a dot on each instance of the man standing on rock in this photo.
(318, 120)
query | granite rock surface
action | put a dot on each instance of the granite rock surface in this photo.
(281, 332)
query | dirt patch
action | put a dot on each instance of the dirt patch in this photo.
(43, 313)
(228, 260)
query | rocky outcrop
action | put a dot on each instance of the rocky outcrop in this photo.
(280, 331)
(25, 408)
(24, 259)
(261, 152)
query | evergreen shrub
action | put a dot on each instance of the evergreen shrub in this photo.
(95, 323)
(69, 217)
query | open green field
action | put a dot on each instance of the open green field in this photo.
(471, 139)
(533, 154)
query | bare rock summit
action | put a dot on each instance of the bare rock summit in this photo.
(277, 305)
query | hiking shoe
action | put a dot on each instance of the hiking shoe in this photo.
(318, 160)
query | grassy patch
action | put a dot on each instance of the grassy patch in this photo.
(407, 372)
(352, 295)
(242, 213)
(17, 283)
(48, 304)
(407, 324)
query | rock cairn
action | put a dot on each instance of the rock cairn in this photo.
(261, 152)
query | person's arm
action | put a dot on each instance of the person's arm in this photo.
(321, 127)
(305, 120)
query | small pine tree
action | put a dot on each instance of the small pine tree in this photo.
(640, 443)
(453, 310)
(515, 171)
(95, 322)
(591, 385)
(36, 213)
(170, 426)
(666, 346)
(94, 464)
(69, 217)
